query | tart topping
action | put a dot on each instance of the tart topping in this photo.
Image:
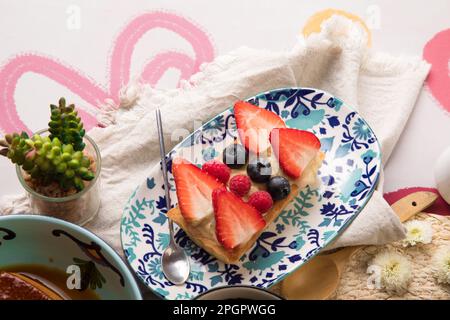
(235, 156)
(259, 170)
(215, 194)
(218, 170)
(261, 201)
(240, 185)
(236, 221)
(278, 187)
(294, 149)
(194, 190)
(254, 125)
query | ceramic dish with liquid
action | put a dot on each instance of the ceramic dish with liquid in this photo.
(50, 251)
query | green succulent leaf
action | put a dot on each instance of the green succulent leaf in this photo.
(48, 160)
(66, 125)
(56, 158)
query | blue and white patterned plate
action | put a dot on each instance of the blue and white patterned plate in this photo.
(315, 218)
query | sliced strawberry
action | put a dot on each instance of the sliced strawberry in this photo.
(215, 195)
(294, 149)
(236, 221)
(254, 125)
(194, 190)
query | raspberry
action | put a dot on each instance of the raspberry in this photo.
(261, 201)
(240, 185)
(218, 170)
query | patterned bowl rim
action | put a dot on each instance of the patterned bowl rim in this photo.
(332, 238)
(136, 293)
(239, 286)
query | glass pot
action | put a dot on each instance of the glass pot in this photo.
(78, 208)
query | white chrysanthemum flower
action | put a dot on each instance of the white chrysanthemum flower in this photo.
(417, 232)
(394, 271)
(441, 262)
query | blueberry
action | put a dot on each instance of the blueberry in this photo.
(259, 170)
(235, 156)
(278, 187)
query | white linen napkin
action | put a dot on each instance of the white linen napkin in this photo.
(383, 88)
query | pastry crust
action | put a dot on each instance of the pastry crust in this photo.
(203, 234)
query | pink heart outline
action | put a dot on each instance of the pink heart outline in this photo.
(437, 53)
(120, 62)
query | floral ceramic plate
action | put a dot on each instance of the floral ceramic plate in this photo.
(315, 218)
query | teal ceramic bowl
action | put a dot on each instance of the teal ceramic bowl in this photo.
(53, 243)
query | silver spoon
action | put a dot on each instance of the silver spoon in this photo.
(175, 262)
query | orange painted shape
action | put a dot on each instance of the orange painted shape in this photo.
(313, 24)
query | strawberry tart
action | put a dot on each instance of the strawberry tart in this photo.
(226, 204)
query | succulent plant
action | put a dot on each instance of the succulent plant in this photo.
(66, 125)
(55, 158)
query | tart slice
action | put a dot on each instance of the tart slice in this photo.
(213, 240)
(226, 218)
